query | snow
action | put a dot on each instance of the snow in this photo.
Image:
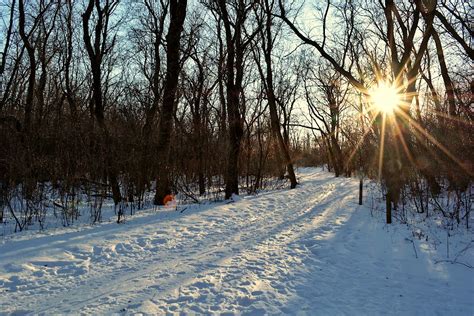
(311, 250)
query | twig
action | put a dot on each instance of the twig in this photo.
(463, 251)
(458, 262)
(59, 205)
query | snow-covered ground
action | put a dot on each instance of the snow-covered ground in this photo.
(311, 251)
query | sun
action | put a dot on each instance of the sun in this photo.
(385, 97)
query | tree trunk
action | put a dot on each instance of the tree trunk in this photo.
(388, 205)
(275, 121)
(96, 106)
(68, 60)
(32, 76)
(337, 155)
(234, 78)
(8, 37)
(444, 73)
(173, 38)
(235, 133)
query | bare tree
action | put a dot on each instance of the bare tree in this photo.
(173, 67)
(96, 52)
(267, 42)
(32, 60)
(237, 41)
(45, 55)
(326, 97)
(69, 33)
(8, 39)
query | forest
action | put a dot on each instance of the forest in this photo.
(135, 100)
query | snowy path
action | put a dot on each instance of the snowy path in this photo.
(309, 250)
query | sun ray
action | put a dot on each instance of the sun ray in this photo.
(382, 145)
(422, 139)
(404, 144)
(434, 141)
(452, 118)
(359, 143)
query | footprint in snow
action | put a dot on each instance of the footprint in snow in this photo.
(142, 242)
(159, 241)
(325, 228)
(202, 285)
(309, 243)
(122, 248)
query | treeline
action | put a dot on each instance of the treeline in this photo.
(117, 98)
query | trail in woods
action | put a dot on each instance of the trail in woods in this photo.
(311, 250)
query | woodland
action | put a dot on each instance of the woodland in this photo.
(133, 101)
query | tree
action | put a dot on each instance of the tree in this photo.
(96, 52)
(173, 67)
(267, 39)
(197, 91)
(149, 38)
(32, 60)
(237, 41)
(326, 106)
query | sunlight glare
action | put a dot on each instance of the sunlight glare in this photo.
(385, 97)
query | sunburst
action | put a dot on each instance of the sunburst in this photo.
(390, 104)
(385, 97)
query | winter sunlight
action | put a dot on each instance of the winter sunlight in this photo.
(236, 157)
(385, 97)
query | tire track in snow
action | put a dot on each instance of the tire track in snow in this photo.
(177, 269)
